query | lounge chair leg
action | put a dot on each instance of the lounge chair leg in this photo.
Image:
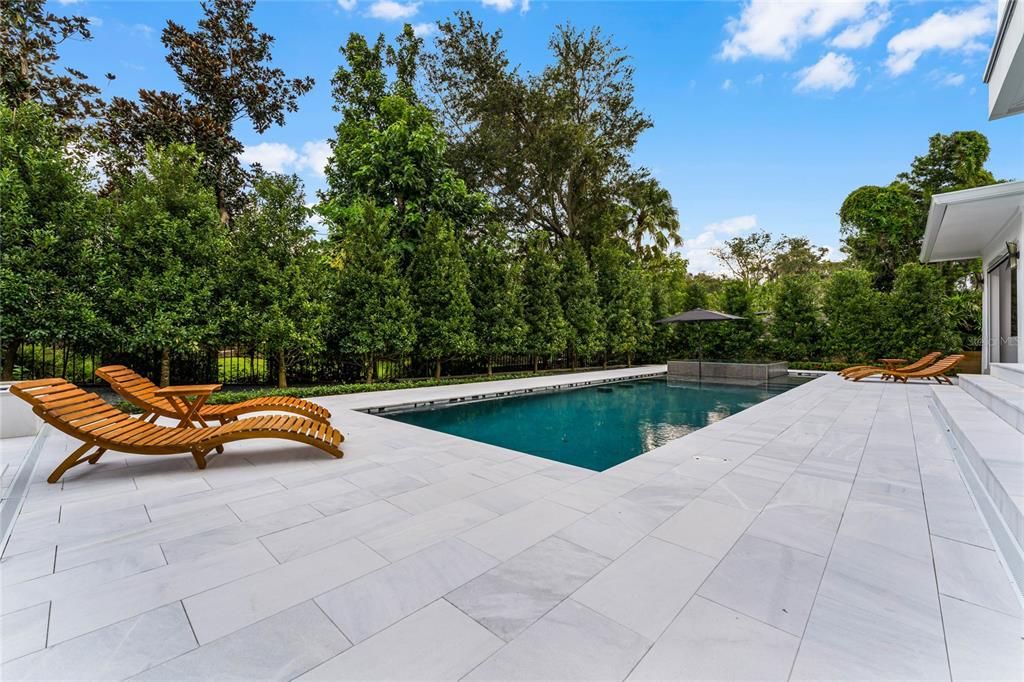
(96, 455)
(74, 459)
(200, 457)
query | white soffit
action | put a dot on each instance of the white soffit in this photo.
(1005, 71)
(962, 224)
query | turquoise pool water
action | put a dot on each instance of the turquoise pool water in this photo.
(595, 427)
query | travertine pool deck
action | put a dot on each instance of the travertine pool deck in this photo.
(823, 534)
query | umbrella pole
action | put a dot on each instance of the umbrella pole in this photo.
(700, 353)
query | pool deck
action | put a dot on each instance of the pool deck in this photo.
(824, 533)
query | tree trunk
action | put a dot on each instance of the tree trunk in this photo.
(604, 361)
(629, 359)
(437, 370)
(536, 362)
(10, 356)
(165, 367)
(490, 366)
(575, 360)
(282, 370)
(369, 368)
(225, 217)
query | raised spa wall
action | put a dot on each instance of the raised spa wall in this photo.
(740, 372)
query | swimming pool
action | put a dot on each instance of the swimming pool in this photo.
(599, 426)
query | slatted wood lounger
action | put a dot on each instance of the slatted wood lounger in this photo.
(936, 371)
(139, 391)
(921, 363)
(98, 424)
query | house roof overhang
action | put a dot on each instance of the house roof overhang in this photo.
(1004, 73)
(966, 224)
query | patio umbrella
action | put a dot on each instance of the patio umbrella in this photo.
(699, 316)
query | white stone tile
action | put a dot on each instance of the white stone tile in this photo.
(385, 481)
(508, 535)
(278, 648)
(441, 493)
(570, 643)
(517, 493)
(82, 612)
(591, 493)
(371, 603)
(306, 538)
(206, 499)
(341, 503)
(982, 644)
(93, 528)
(115, 652)
(193, 546)
(511, 597)
(710, 642)
(18, 569)
(743, 491)
(666, 494)
(261, 505)
(706, 527)
(646, 587)
(413, 533)
(975, 575)
(81, 578)
(768, 581)
(235, 605)
(613, 528)
(437, 642)
(24, 631)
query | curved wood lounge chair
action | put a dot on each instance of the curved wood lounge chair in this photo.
(100, 425)
(921, 363)
(139, 391)
(936, 371)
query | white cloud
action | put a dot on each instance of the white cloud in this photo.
(423, 30)
(955, 32)
(953, 79)
(347, 5)
(697, 250)
(392, 10)
(143, 30)
(68, 2)
(95, 22)
(727, 84)
(757, 80)
(273, 156)
(524, 6)
(862, 34)
(500, 5)
(278, 157)
(772, 29)
(832, 72)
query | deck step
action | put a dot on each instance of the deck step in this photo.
(1001, 397)
(1011, 372)
(992, 462)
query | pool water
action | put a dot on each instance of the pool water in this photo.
(599, 426)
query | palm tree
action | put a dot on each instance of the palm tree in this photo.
(649, 213)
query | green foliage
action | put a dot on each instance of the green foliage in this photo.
(48, 232)
(882, 229)
(546, 328)
(857, 317)
(496, 295)
(580, 303)
(797, 323)
(667, 279)
(371, 312)
(920, 312)
(625, 291)
(278, 272)
(738, 339)
(165, 255)
(439, 279)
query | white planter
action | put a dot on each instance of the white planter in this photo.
(16, 417)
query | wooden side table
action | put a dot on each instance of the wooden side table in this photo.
(186, 401)
(891, 364)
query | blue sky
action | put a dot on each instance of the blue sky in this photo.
(766, 114)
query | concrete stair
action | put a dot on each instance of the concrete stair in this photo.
(1003, 398)
(989, 447)
(1010, 372)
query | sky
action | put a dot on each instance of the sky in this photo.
(766, 114)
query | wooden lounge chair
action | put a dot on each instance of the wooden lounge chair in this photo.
(98, 424)
(142, 393)
(921, 363)
(936, 371)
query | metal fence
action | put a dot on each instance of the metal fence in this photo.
(241, 366)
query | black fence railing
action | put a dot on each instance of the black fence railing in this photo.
(242, 366)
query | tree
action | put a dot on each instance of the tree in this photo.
(882, 229)
(625, 293)
(278, 272)
(667, 277)
(552, 150)
(372, 314)
(28, 57)
(750, 258)
(580, 304)
(496, 295)
(389, 147)
(920, 312)
(439, 279)
(224, 68)
(739, 339)
(796, 323)
(797, 256)
(48, 231)
(546, 328)
(856, 314)
(953, 162)
(165, 253)
(650, 214)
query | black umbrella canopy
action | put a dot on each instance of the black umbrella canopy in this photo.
(700, 315)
